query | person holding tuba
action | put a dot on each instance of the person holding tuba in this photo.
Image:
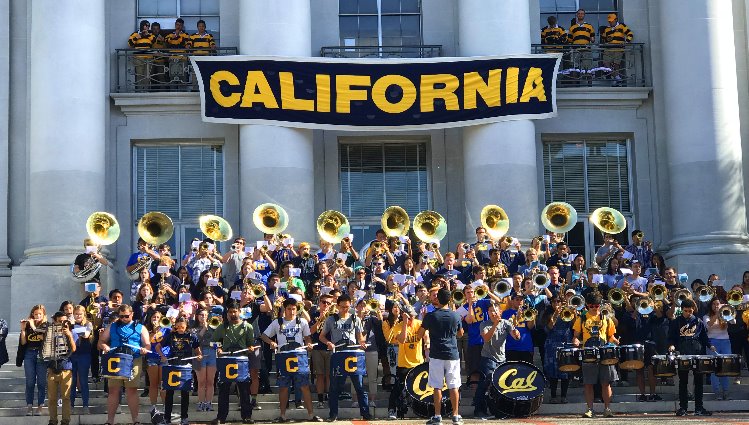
(87, 259)
(641, 249)
(559, 333)
(141, 258)
(482, 245)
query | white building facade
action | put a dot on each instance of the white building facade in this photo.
(76, 136)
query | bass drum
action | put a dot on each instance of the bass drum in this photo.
(517, 390)
(420, 394)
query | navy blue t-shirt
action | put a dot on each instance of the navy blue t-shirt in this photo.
(443, 326)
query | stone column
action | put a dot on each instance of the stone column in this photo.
(68, 95)
(499, 160)
(4, 152)
(703, 139)
(276, 163)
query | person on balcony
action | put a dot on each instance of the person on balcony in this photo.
(581, 35)
(201, 40)
(616, 35)
(142, 40)
(158, 65)
(178, 39)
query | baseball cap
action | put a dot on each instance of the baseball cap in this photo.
(611, 17)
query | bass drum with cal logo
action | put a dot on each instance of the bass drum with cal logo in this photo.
(517, 390)
(421, 395)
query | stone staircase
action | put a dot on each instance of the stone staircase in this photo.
(13, 405)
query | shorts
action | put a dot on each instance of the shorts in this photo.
(320, 362)
(150, 361)
(594, 373)
(444, 372)
(299, 380)
(254, 358)
(209, 358)
(133, 383)
(473, 358)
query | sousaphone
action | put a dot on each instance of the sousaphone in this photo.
(608, 220)
(102, 228)
(270, 218)
(495, 220)
(559, 217)
(215, 227)
(430, 226)
(395, 221)
(155, 228)
(333, 226)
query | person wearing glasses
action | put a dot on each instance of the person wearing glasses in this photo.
(379, 276)
(320, 356)
(595, 330)
(127, 336)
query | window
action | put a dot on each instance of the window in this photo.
(380, 22)
(588, 174)
(183, 181)
(375, 176)
(166, 11)
(564, 10)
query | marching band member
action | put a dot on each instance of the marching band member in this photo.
(717, 332)
(143, 303)
(201, 261)
(291, 332)
(319, 355)
(251, 311)
(520, 349)
(234, 259)
(482, 245)
(59, 372)
(643, 334)
(205, 367)
(737, 332)
(607, 251)
(410, 355)
(143, 279)
(555, 280)
(181, 345)
(32, 337)
(152, 324)
(371, 325)
(529, 268)
(560, 259)
(167, 282)
(306, 262)
(494, 268)
(143, 254)
(611, 277)
(558, 333)
(473, 313)
(125, 331)
(81, 357)
(494, 332)
(688, 335)
(234, 335)
(444, 328)
(83, 260)
(594, 330)
(345, 328)
(641, 249)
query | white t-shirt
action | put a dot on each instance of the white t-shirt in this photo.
(715, 332)
(288, 331)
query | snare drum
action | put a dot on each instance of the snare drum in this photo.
(608, 354)
(232, 368)
(117, 366)
(590, 355)
(686, 362)
(632, 357)
(569, 359)
(705, 364)
(664, 366)
(176, 378)
(728, 365)
(292, 363)
(348, 363)
(517, 390)
(420, 394)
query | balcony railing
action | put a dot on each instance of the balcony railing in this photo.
(600, 65)
(160, 70)
(382, 52)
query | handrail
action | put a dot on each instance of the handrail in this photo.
(615, 65)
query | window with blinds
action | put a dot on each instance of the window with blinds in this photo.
(380, 22)
(182, 181)
(191, 11)
(374, 176)
(595, 11)
(587, 174)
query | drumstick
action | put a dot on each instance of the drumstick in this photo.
(137, 348)
(186, 358)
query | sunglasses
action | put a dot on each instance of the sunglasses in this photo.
(324, 302)
(594, 305)
(124, 316)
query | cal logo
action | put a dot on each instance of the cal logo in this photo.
(292, 364)
(350, 364)
(517, 384)
(174, 378)
(113, 365)
(232, 371)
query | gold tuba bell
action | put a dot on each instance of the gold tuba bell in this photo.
(333, 226)
(395, 221)
(430, 226)
(658, 292)
(568, 314)
(608, 220)
(155, 228)
(495, 220)
(102, 228)
(616, 296)
(270, 218)
(215, 227)
(559, 217)
(735, 297)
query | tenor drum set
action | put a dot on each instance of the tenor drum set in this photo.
(628, 357)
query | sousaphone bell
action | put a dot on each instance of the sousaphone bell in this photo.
(155, 228)
(395, 221)
(559, 217)
(333, 226)
(608, 220)
(430, 226)
(102, 228)
(495, 220)
(270, 218)
(215, 227)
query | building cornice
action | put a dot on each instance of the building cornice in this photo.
(162, 103)
(602, 97)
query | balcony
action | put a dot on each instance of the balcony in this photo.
(382, 52)
(167, 70)
(599, 65)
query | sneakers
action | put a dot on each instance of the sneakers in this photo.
(184, 421)
(39, 411)
(208, 406)
(681, 412)
(654, 397)
(702, 412)
(434, 420)
(29, 410)
(201, 406)
(217, 422)
(588, 414)
(457, 420)
(391, 414)
(315, 418)
(255, 405)
(59, 402)
(320, 404)
(372, 404)
(607, 413)
(642, 398)
(563, 400)
(332, 418)
(280, 420)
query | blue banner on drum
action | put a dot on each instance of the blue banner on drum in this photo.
(374, 94)
(292, 363)
(348, 363)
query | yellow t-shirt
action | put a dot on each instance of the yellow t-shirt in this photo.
(410, 353)
(606, 328)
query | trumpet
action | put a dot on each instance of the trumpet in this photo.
(577, 302)
(681, 295)
(645, 306)
(433, 246)
(735, 297)
(373, 304)
(340, 261)
(607, 311)
(529, 315)
(541, 280)
(214, 322)
(458, 296)
(616, 297)
(568, 314)
(165, 323)
(727, 313)
(705, 293)
(658, 292)
(258, 291)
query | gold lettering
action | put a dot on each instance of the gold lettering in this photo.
(170, 379)
(350, 364)
(288, 97)
(257, 90)
(379, 90)
(292, 361)
(518, 384)
(323, 92)
(232, 375)
(534, 86)
(488, 90)
(512, 83)
(345, 93)
(215, 87)
(429, 92)
(113, 365)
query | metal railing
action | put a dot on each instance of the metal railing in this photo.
(600, 65)
(140, 71)
(382, 52)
